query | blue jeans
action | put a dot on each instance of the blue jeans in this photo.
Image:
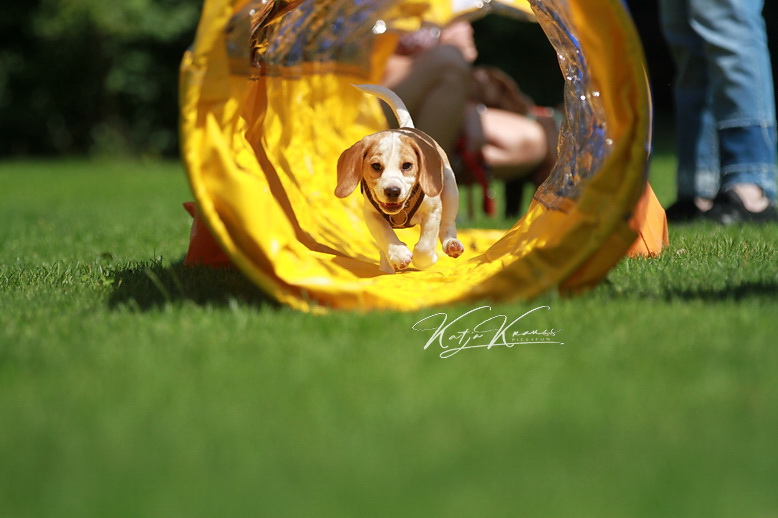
(725, 105)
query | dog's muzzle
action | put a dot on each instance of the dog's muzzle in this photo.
(404, 212)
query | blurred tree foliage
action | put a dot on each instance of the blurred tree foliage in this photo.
(79, 76)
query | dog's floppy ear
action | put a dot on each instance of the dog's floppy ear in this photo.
(430, 161)
(350, 169)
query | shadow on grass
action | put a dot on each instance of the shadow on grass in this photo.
(738, 292)
(150, 286)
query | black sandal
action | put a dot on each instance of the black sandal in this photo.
(728, 209)
(684, 211)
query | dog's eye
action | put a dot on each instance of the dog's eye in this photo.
(407, 166)
(376, 167)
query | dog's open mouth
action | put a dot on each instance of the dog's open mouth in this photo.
(392, 206)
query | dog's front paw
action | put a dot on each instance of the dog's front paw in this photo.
(424, 258)
(399, 256)
(453, 247)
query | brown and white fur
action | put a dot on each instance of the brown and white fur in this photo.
(391, 163)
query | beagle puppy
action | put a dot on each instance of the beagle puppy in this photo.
(406, 179)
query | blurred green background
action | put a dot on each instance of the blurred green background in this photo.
(91, 77)
(88, 76)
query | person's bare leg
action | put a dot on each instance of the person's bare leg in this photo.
(515, 144)
(435, 88)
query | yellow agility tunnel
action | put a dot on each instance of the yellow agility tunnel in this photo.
(267, 107)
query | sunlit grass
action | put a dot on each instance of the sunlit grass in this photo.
(131, 386)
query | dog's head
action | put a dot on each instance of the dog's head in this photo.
(391, 163)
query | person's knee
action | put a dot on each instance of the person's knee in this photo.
(528, 143)
(537, 141)
(447, 60)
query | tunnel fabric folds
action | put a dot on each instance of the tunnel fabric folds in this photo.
(267, 107)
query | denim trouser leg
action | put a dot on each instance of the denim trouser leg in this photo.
(707, 181)
(696, 139)
(699, 173)
(720, 50)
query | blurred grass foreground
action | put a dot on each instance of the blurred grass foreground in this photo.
(131, 386)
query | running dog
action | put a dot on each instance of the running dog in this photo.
(406, 180)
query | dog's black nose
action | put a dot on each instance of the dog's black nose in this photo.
(392, 192)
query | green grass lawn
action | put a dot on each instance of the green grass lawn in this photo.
(130, 386)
